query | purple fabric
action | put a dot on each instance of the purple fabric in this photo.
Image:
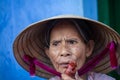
(113, 59)
(92, 63)
(43, 66)
(32, 62)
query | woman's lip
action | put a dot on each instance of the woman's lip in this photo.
(64, 65)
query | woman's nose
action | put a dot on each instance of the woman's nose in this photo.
(64, 51)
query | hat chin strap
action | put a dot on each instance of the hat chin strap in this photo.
(33, 61)
(93, 62)
(87, 67)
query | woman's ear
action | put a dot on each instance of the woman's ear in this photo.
(47, 51)
(90, 47)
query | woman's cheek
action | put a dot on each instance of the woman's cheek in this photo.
(53, 54)
(54, 57)
(75, 51)
(79, 54)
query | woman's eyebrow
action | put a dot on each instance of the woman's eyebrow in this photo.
(72, 39)
(53, 41)
(58, 41)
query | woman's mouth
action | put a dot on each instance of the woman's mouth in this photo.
(64, 65)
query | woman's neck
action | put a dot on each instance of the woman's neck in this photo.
(83, 77)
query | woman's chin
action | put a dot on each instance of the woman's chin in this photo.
(62, 70)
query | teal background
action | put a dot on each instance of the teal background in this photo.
(109, 13)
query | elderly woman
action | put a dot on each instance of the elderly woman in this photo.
(68, 48)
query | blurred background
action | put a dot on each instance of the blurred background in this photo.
(15, 15)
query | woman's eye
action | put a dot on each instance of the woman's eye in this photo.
(55, 43)
(72, 41)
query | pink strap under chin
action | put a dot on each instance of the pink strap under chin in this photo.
(87, 67)
(32, 62)
(113, 58)
(93, 62)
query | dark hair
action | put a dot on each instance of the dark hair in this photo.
(84, 29)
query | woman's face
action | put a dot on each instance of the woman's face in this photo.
(67, 45)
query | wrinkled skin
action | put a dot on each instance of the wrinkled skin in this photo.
(67, 45)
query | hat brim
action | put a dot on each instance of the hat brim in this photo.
(31, 40)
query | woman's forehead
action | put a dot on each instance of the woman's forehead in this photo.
(64, 30)
(64, 25)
